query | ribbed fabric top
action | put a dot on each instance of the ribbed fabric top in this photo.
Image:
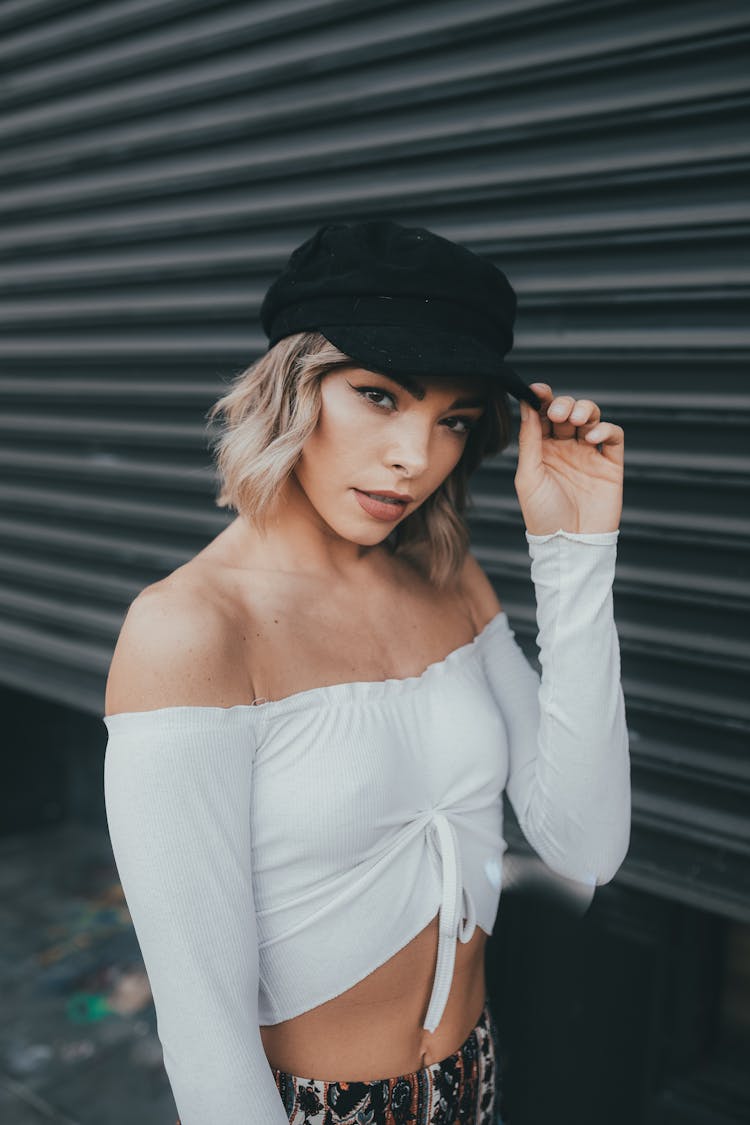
(273, 855)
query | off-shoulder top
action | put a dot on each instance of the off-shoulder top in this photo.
(274, 854)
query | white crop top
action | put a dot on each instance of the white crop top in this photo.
(272, 855)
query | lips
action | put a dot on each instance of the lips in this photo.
(387, 493)
(380, 509)
(386, 499)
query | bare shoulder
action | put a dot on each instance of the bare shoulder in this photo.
(478, 590)
(175, 647)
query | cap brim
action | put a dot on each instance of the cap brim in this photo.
(393, 349)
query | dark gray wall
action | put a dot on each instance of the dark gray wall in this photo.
(159, 162)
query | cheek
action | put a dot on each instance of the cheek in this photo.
(340, 444)
(343, 422)
(446, 452)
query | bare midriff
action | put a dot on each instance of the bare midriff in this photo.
(375, 1029)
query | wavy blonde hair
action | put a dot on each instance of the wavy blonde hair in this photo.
(272, 407)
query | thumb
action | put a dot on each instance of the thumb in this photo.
(529, 437)
(530, 420)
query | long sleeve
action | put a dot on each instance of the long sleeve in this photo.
(177, 785)
(569, 761)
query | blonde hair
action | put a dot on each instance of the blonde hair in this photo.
(272, 407)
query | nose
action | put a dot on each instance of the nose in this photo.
(410, 446)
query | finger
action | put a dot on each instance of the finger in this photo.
(611, 438)
(560, 408)
(558, 412)
(561, 414)
(564, 416)
(585, 413)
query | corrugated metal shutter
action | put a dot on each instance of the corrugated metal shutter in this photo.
(161, 159)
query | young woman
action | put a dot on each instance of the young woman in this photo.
(312, 721)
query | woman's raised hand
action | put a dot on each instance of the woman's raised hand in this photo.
(563, 478)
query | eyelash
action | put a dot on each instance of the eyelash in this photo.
(470, 423)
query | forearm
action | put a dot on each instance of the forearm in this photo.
(569, 779)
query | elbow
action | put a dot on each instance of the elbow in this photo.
(588, 859)
(592, 875)
(607, 874)
(613, 861)
(585, 846)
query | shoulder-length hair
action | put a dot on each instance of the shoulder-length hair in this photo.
(272, 407)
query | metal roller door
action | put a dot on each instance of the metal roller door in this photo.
(159, 162)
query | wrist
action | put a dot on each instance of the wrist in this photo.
(609, 535)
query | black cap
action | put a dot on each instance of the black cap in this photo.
(399, 300)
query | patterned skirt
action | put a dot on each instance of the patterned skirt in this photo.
(462, 1089)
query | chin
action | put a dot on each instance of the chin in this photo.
(362, 536)
(369, 538)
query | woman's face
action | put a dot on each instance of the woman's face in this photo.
(375, 435)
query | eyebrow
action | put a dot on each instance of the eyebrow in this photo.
(418, 391)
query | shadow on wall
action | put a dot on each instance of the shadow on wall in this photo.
(53, 763)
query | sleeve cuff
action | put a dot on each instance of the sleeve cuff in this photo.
(579, 536)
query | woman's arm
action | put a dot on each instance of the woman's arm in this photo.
(569, 767)
(177, 785)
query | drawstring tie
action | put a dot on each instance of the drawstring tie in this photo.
(457, 915)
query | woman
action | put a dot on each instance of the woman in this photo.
(312, 721)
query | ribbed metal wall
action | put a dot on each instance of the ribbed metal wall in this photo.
(160, 159)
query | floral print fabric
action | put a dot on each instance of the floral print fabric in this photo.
(462, 1088)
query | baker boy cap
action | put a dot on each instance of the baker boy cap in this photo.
(398, 300)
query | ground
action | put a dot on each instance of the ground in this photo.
(77, 1037)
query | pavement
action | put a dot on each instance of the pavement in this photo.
(78, 1039)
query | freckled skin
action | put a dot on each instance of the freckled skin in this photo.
(307, 591)
(375, 1028)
